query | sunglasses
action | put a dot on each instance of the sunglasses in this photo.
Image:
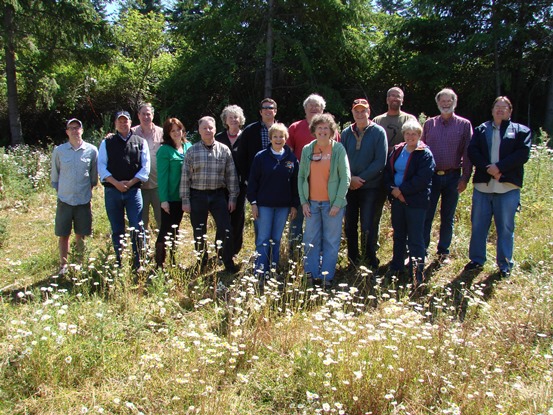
(316, 156)
(267, 108)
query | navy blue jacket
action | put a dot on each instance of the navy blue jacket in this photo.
(274, 182)
(417, 179)
(514, 151)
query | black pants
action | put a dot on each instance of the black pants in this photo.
(215, 202)
(168, 231)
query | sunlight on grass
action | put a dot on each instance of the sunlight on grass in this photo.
(186, 340)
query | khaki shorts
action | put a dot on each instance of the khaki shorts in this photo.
(79, 217)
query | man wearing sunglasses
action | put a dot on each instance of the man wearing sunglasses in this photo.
(255, 137)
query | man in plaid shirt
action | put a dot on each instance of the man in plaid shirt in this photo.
(207, 173)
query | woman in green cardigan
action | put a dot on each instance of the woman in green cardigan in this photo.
(170, 158)
(323, 181)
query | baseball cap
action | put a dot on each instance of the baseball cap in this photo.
(123, 114)
(360, 102)
(73, 120)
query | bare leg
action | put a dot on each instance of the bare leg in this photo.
(64, 249)
(79, 247)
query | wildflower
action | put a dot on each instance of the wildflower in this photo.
(68, 359)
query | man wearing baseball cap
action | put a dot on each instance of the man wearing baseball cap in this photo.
(124, 164)
(367, 149)
(73, 174)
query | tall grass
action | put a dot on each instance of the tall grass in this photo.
(181, 340)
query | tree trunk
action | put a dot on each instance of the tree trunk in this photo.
(11, 80)
(548, 124)
(269, 53)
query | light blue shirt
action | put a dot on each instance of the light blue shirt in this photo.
(142, 174)
(400, 166)
(74, 172)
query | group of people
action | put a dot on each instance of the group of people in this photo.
(308, 174)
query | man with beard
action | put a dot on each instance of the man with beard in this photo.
(391, 121)
(448, 137)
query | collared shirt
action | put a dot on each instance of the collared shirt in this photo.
(142, 174)
(448, 140)
(264, 135)
(208, 168)
(74, 172)
(154, 140)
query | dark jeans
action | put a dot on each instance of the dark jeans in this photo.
(360, 207)
(215, 202)
(408, 224)
(446, 187)
(116, 204)
(168, 231)
(379, 203)
(237, 220)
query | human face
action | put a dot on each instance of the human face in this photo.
(146, 116)
(311, 109)
(446, 104)
(176, 134)
(233, 121)
(123, 125)
(361, 115)
(74, 131)
(268, 112)
(278, 139)
(394, 100)
(207, 132)
(411, 138)
(323, 132)
(501, 111)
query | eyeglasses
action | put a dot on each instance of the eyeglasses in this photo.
(267, 108)
(316, 156)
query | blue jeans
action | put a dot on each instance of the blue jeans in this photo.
(268, 232)
(503, 207)
(215, 202)
(361, 206)
(116, 204)
(295, 234)
(322, 239)
(408, 224)
(446, 187)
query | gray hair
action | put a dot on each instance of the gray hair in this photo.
(204, 119)
(447, 91)
(146, 105)
(315, 98)
(411, 125)
(232, 110)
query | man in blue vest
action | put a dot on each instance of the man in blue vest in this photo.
(123, 165)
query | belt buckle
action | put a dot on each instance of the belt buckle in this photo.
(440, 173)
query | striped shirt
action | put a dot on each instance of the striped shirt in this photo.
(208, 168)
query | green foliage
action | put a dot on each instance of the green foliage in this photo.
(24, 170)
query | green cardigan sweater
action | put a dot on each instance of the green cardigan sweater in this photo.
(169, 169)
(340, 176)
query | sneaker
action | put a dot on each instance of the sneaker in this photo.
(444, 259)
(503, 274)
(64, 270)
(473, 267)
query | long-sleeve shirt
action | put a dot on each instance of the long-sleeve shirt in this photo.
(141, 175)
(449, 140)
(208, 168)
(74, 172)
(154, 141)
(367, 153)
(169, 169)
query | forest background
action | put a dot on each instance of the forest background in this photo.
(89, 58)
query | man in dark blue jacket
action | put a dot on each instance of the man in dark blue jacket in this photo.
(499, 149)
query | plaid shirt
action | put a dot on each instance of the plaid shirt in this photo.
(208, 169)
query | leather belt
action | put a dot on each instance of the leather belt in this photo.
(444, 172)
